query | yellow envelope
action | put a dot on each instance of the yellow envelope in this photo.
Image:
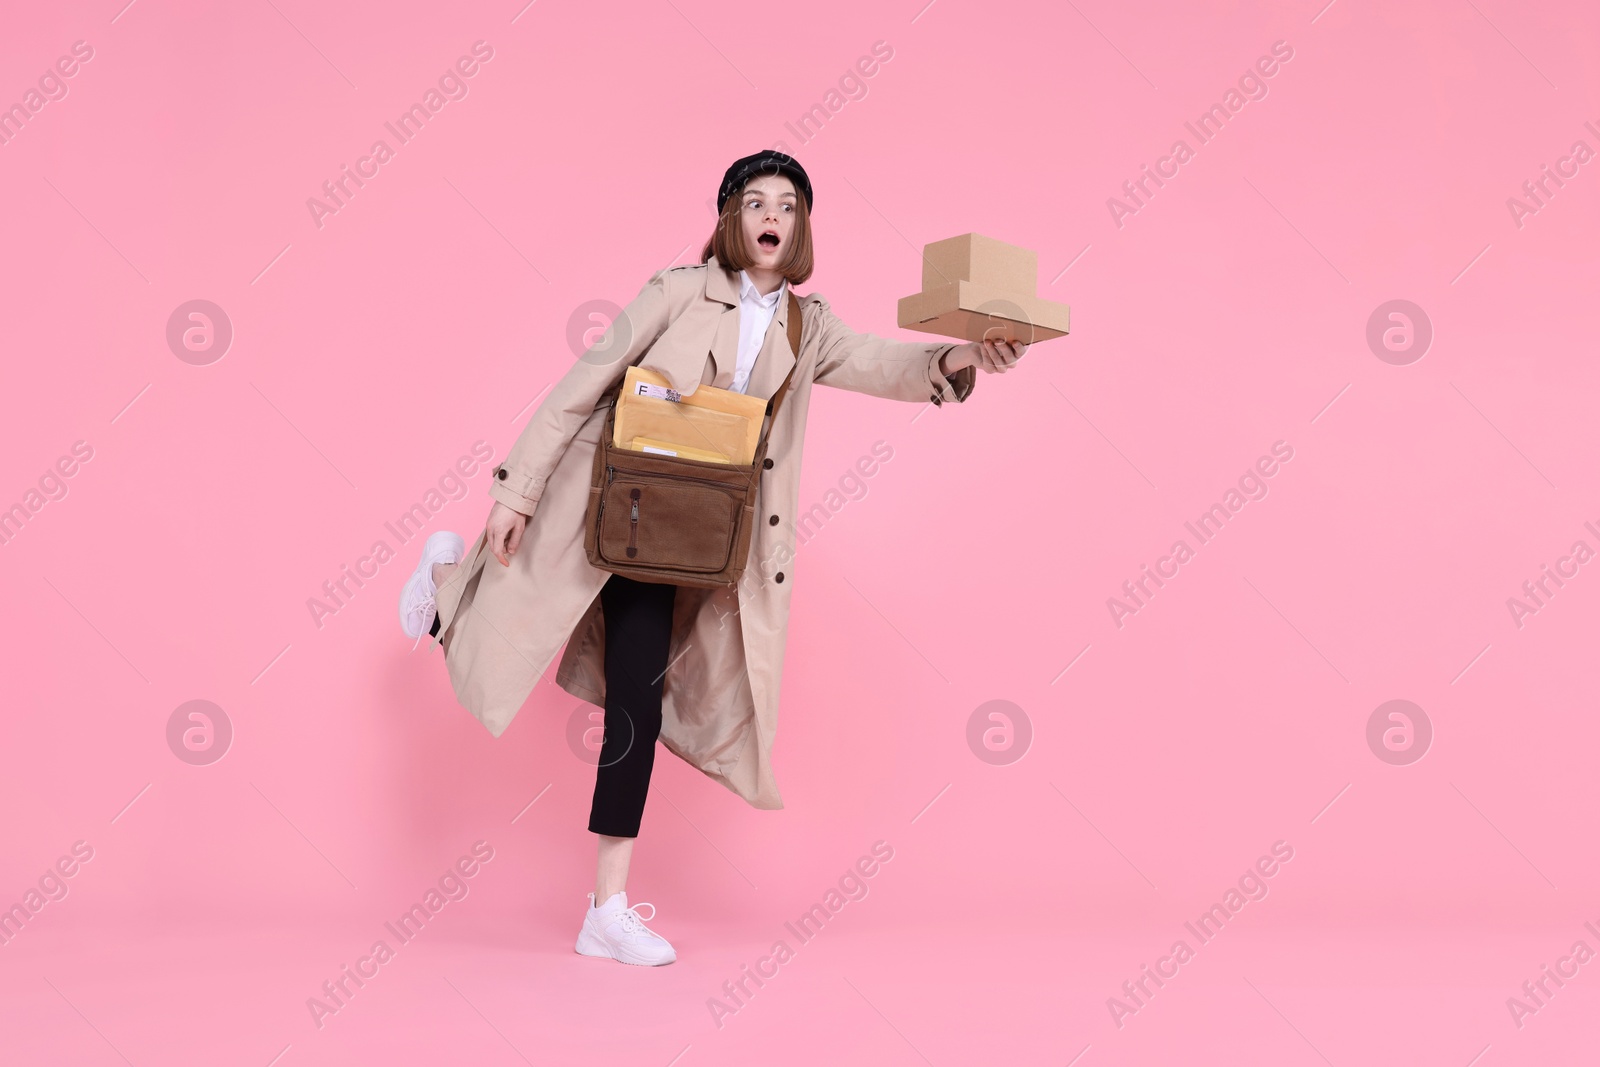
(719, 421)
(665, 448)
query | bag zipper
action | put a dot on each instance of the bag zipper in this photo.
(611, 472)
(705, 481)
(633, 528)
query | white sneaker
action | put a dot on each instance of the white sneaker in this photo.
(615, 930)
(417, 610)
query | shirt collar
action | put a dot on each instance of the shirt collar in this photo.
(748, 290)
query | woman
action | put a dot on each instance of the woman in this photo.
(699, 669)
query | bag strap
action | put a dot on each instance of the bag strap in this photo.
(794, 324)
(794, 346)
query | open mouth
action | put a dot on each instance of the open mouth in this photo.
(769, 239)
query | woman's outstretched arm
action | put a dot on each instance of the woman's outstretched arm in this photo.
(894, 370)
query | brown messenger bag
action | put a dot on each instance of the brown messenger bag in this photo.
(673, 520)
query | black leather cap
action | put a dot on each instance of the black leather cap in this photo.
(768, 162)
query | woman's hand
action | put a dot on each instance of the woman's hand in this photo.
(505, 531)
(992, 355)
(999, 356)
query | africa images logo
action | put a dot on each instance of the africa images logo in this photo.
(452, 85)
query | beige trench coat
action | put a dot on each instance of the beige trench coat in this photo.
(502, 626)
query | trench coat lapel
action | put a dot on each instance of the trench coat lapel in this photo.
(724, 287)
(774, 359)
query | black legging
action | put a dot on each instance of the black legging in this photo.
(638, 625)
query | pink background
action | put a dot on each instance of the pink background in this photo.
(1229, 313)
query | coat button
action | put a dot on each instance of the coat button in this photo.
(778, 577)
(773, 520)
(766, 464)
(500, 472)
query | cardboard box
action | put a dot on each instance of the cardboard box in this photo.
(975, 313)
(975, 287)
(972, 257)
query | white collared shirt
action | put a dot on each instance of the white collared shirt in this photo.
(755, 315)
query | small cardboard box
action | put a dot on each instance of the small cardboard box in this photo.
(972, 257)
(975, 287)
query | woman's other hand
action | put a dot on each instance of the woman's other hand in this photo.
(505, 531)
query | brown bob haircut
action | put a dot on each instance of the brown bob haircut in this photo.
(727, 240)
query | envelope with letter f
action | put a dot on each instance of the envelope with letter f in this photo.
(711, 424)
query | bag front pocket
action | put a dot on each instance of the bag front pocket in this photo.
(669, 521)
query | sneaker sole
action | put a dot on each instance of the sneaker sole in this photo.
(590, 944)
(431, 549)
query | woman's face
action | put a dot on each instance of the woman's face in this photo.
(766, 213)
